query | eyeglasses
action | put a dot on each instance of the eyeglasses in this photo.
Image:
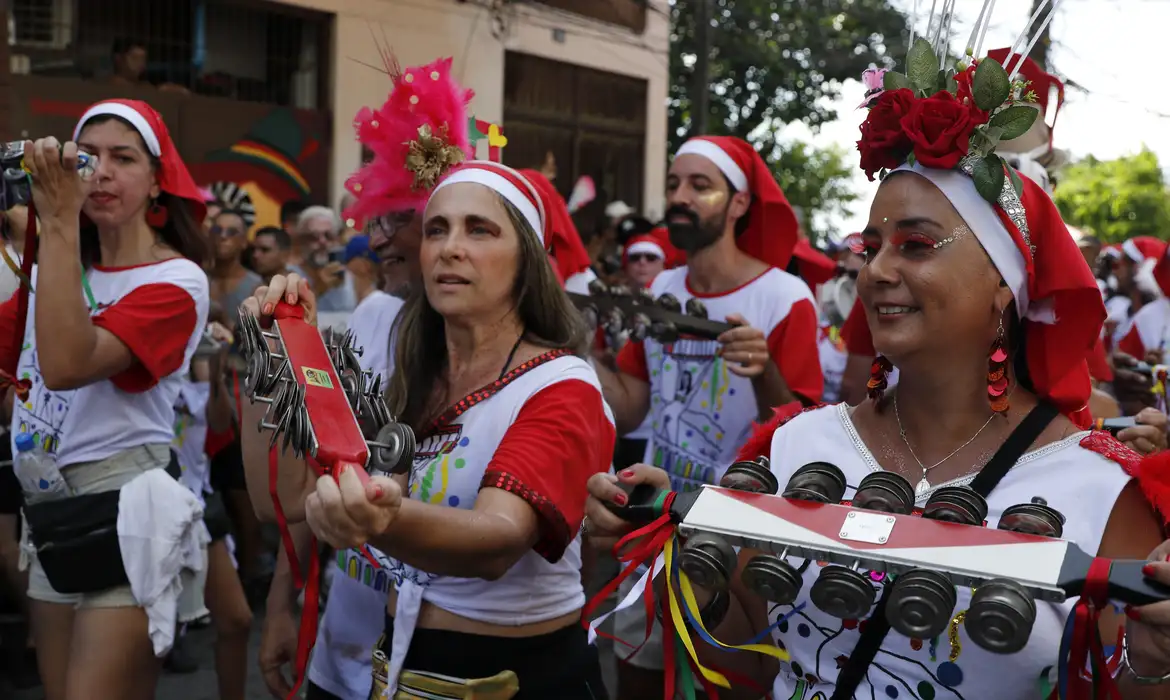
(226, 231)
(389, 224)
(644, 257)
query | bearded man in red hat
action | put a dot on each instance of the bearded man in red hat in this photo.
(728, 215)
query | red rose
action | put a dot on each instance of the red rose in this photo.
(940, 128)
(883, 144)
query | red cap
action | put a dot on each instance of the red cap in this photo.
(815, 267)
(772, 227)
(172, 174)
(561, 239)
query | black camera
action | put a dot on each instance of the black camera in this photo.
(15, 183)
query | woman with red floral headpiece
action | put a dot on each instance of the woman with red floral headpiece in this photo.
(120, 305)
(975, 291)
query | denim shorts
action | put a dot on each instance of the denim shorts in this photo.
(109, 474)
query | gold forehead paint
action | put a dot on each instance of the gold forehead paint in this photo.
(712, 198)
(959, 232)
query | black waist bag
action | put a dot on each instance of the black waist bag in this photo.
(76, 540)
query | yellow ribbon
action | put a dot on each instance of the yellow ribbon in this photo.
(688, 596)
(14, 267)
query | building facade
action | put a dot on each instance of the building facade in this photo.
(263, 93)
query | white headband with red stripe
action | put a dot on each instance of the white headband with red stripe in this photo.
(721, 158)
(506, 182)
(117, 109)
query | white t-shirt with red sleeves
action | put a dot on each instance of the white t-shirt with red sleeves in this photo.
(1149, 330)
(700, 411)
(158, 310)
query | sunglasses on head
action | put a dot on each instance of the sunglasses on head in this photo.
(644, 257)
(225, 231)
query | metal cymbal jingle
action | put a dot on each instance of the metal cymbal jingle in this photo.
(392, 452)
(755, 476)
(819, 482)
(956, 504)
(885, 492)
(695, 307)
(1001, 616)
(842, 593)
(921, 604)
(772, 578)
(1035, 518)
(669, 302)
(708, 561)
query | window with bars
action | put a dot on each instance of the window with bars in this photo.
(248, 50)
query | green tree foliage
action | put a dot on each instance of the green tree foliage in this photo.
(773, 62)
(1116, 199)
(817, 180)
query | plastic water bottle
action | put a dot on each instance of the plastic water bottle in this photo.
(37, 471)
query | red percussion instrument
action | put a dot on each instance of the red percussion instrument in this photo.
(323, 406)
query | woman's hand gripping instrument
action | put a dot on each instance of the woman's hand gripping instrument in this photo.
(929, 551)
(15, 184)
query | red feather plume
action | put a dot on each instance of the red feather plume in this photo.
(760, 442)
(421, 96)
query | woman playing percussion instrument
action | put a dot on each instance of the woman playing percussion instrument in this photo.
(980, 298)
(482, 535)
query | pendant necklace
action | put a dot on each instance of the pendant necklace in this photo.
(924, 484)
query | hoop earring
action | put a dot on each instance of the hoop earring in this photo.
(997, 381)
(157, 216)
(875, 388)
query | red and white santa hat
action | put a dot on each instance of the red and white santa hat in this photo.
(1142, 248)
(772, 228)
(172, 174)
(643, 245)
(509, 184)
(1055, 293)
(562, 239)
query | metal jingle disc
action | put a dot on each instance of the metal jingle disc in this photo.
(597, 288)
(820, 482)
(956, 504)
(750, 476)
(885, 492)
(350, 360)
(708, 561)
(842, 593)
(772, 578)
(254, 380)
(695, 307)
(1000, 617)
(714, 612)
(392, 444)
(921, 604)
(367, 418)
(642, 295)
(351, 384)
(1033, 519)
(669, 302)
(589, 313)
(615, 321)
(664, 333)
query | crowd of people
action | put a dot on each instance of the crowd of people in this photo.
(966, 337)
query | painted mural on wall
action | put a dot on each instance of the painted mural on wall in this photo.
(256, 155)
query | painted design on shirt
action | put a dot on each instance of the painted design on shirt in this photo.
(355, 566)
(45, 412)
(690, 385)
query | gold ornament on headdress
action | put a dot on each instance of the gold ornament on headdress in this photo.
(430, 156)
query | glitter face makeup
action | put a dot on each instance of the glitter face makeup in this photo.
(712, 198)
(958, 233)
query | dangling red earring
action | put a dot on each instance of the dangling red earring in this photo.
(997, 381)
(157, 215)
(876, 387)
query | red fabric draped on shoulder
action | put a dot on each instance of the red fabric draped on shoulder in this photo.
(760, 442)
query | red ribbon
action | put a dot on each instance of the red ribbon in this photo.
(1086, 642)
(11, 357)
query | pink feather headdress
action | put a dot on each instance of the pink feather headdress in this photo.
(416, 137)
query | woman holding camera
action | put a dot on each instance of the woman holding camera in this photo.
(482, 534)
(120, 303)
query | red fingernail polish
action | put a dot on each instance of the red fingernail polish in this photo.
(629, 473)
(291, 299)
(267, 309)
(1168, 557)
(377, 492)
(1148, 570)
(620, 499)
(1133, 613)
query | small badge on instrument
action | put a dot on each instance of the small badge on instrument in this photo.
(317, 377)
(860, 526)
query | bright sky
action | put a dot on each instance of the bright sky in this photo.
(1110, 47)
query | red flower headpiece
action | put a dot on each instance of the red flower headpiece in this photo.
(416, 137)
(948, 118)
